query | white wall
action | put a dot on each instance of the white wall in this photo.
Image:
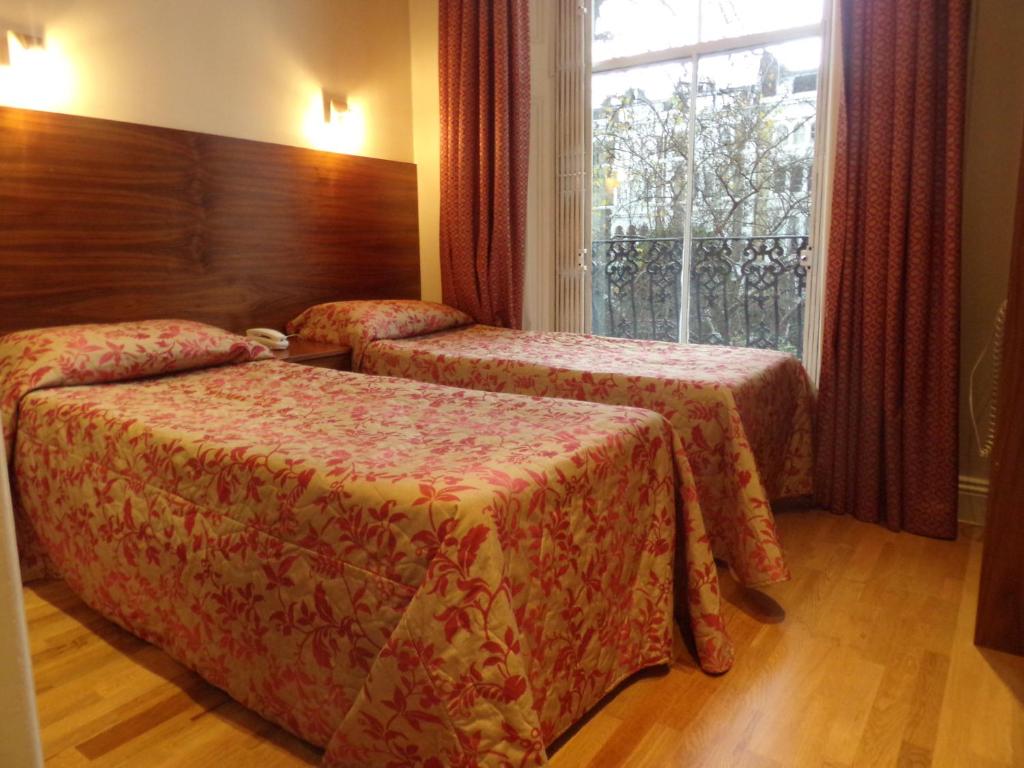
(19, 728)
(245, 68)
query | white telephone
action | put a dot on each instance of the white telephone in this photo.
(268, 337)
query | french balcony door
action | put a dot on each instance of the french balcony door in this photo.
(704, 126)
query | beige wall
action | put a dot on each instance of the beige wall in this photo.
(995, 115)
(245, 68)
(426, 120)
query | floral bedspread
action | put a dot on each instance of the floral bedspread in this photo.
(94, 353)
(404, 573)
(744, 415)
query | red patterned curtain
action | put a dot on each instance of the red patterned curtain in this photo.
(887, 424)
(485, 136)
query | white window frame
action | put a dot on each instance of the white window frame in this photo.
(691, 52)
(824, 147)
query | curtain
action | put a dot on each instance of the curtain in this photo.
(484, 63)
(887, 420)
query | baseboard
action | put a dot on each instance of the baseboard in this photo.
(973, 499)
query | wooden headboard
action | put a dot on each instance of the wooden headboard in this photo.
(103, 221)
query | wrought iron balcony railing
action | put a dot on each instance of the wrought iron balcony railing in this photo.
(744, 291)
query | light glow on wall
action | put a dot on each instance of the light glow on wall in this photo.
(346, 132)
(37, 78)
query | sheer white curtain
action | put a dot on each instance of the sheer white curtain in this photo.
(557, 290)
(824, 170)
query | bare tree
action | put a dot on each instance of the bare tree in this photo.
(753, 149)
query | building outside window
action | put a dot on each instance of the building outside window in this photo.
(703, 153)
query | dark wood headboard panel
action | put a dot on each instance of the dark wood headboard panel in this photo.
(103, 221)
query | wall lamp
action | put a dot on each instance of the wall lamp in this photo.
(334, 106)
(24, 39)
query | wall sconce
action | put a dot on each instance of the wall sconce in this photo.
(334, 106)
(35, 73)
(26, 40)
(335, 123)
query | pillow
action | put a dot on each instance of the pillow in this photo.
(357, 323)
(89, 354)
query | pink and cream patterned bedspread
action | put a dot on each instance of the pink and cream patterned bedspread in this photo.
(407, 574)
(744, 415)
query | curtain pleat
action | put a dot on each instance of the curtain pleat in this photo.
(887, 422)
(485, 135)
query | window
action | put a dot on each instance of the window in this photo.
(703, 144)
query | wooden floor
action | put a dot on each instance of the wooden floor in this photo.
(864, 658)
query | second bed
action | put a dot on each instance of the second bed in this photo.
(743, 415)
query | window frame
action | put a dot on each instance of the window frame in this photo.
(813, 297)
(725, 45)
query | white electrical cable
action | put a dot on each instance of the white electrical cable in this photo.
(986, 444)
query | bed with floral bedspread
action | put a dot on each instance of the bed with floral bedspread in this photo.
(743, 415)
(403, 573)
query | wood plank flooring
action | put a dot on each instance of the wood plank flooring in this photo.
(865, 658)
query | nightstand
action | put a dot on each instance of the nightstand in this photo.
(317, 354)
